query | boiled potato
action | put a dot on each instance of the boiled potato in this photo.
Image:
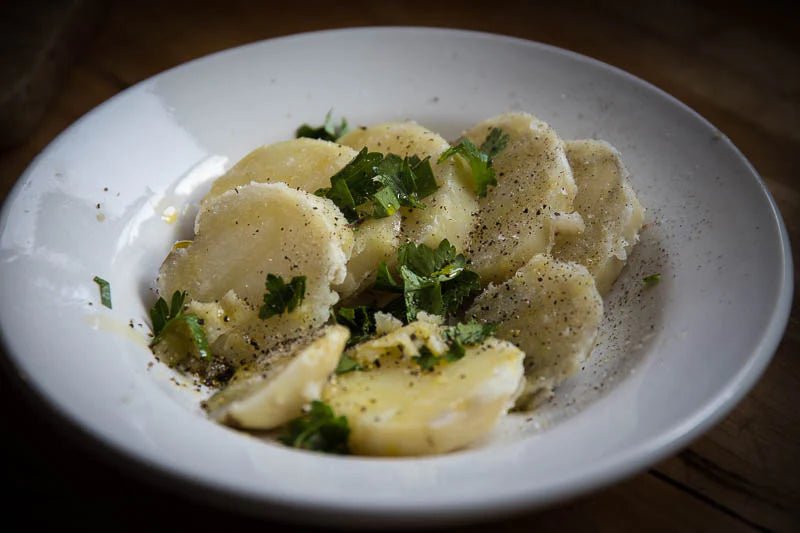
(275, 390)
(375, 241)
(404, 342)
(610, 210)
(398, 409)
(519, 217)
(306, 164)
(450, 211)
(309, 164)
(552, 311)
(239, 242)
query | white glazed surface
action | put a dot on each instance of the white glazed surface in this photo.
(670, 362)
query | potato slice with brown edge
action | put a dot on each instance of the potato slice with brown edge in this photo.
(450, 211)
(552, 311)
(397, 409)
(610, 210)
(519, 217)
(308, 164)
(259, 229)
(275, 391)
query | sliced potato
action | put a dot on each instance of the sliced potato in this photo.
(450, 211)
(518, 218)
(610, 210)
(397, 409)
(276, 390)
(375, 240)
(239, 242)
(552, 311)
(306, 164)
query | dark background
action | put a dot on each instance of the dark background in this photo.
(737, 63)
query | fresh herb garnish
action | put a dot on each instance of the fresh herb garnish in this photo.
(319, 430)
(347, 364)
(282, 297)
(328, 131)
(376, 186)
(165, 318)
(426, 360)
(433, 280)
(457, 337)
(651, 280)
(359, 320)
(105, 291)
(479, 159)
(495, 142)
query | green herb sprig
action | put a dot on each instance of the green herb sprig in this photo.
(329, 131)
(652, 280)
(105, 291)
(165, 317)
(432, 280)
(359, 320)
(282, 297)
(373, 185)
(319, 430)
(480, 159)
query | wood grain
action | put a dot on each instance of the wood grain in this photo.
(736, 65)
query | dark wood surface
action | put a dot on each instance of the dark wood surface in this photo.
(738, 64)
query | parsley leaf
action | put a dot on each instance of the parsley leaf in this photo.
(433, 280)
(468, 333)
(319, 430)
(376, 186)
(347, 364)
(328, 131)
(165, 317)
(479, 159)
(105, 291)
(359, 320)
(457, 337)
(282, 297)
(426, 359)
(652, 280)
(495, 142)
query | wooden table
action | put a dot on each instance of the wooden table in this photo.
(738, 66)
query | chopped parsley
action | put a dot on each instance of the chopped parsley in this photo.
(105, 291)
(327, 132)
(495, 142)
(166, 317)
(652, 280)
(479, 159)
(376, 186)
(359, 320)
(318, 430)
(432, 280)
(457, 337)
(282, 297)
(347, 364)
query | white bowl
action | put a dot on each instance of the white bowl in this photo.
(672, 360)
